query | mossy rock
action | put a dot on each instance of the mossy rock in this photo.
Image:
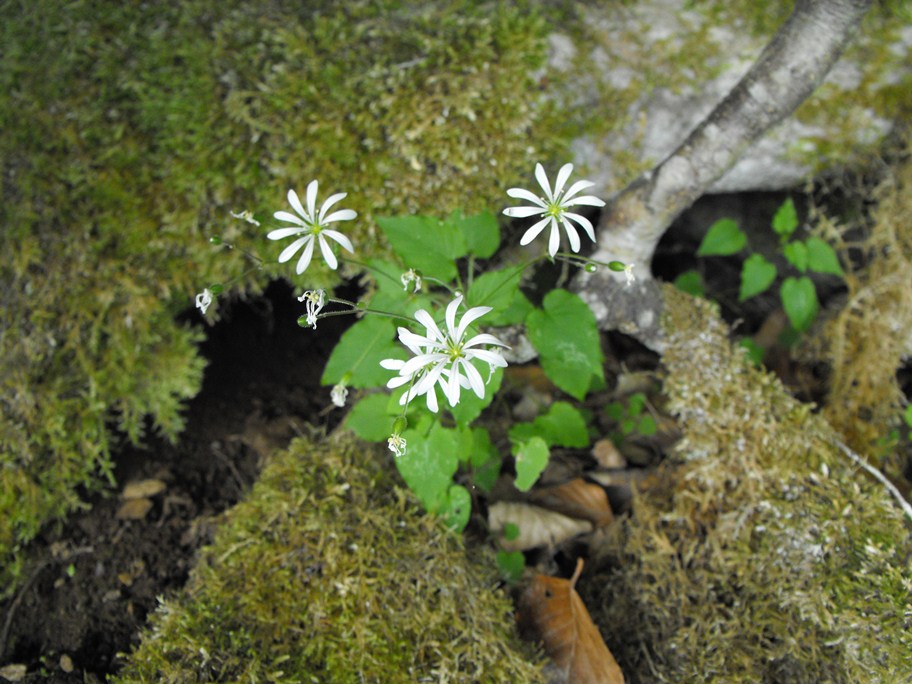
(128, 144)
(329, 572)
(768, 556)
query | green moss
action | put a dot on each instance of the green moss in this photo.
(129, 131)
(328, 572)
(767, 556)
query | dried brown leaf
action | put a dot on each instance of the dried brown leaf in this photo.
(552, 610)
(537, 526)
(577, 499)
(143, 489)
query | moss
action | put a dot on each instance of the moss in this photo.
(766, 556)
(328, 572)
(129, 131)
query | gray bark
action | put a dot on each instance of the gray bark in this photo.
(787, 71)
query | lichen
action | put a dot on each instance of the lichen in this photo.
(765, 555)
(329, 572)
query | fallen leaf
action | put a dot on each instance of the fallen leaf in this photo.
(607, 455)
(551, 609)
(143, 489)
(576, 499)
(537, 526)
(13, 673)
(134, 509)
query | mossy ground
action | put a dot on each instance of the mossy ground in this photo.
(329, 572)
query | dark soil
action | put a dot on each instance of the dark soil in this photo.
(93, 581)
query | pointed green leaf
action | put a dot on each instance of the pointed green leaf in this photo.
(500, 290)
(566, 336)
(425, 243)
(722, 239)
(796, 253)
(531, 460)
(457, 508)
(370, 418)
(481, 232)
(485, 460)
(360, 351)
(757, 274)
(786, 219)
(822, 257)
(562, 425)
(429, 464)
(799, 299)
(690, 282)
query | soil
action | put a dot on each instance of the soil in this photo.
(93, 581)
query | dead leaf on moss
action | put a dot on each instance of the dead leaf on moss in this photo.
(551, 609)
(537, 526)
(134, 509)
(143, 489)
(606, 454)
(576, 499)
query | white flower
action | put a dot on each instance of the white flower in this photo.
(315, 300)
(312, 227)
(411, 276)
(339, 394)
(444, 359)
(397, 444)
(245, 216)
(203, 300)
(628, 273)
(552, 208)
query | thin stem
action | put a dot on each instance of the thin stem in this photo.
(876, 474)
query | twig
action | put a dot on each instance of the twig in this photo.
(905, 505)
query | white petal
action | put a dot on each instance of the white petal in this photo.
(588, 200)
(451, 309)
(338, 237)
(289, 251)
(572, 235)
(562, 177)
(341, 215)
(492, 358)
(304, 261)
(416, 363)
(328, 253)
(542, 179)
(583, 222)
(533, 232)
(327, 205)
(312, 200)
(472, 314)
(452, 387)
(417, 343)
(575, 188)
(474, 378)
(522, 212)
(295, 204)
(484, 338)
(280, 233)
(433, 332)
(392, 364)
(291, 218)
(397, 381)
(520, 193)
(554, 238)
(432, 400)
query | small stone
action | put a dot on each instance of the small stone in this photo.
(143, 489)
(66, 663)
(134, 509)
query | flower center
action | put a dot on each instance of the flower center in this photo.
(554, 209)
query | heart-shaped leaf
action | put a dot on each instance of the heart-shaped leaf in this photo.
(757, 274)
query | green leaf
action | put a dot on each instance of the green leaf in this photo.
(647, 426)
(754, 351)
(457, 508)
(500, 290)
(690, 282)
(786, 219)
(425, 243)
(796, 253)
(360, 351)
(370, 418)
(822, 257)
(799, 299)
(722, 239)
(562, 425)
(757, 274)
(429, 464)
(485, 460)
(481, 231)
(907, 415)
(510, 531)
(511, 565)
(531, 459)
(566, 336)
(470, 406)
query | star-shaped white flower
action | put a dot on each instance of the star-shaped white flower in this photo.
(312, 227)
(203, 300)
(397, 444)
(553, 208)
(444, 359)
